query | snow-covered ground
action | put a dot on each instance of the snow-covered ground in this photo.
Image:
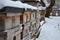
(51, 29)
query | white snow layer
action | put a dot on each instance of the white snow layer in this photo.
(20, 4)
(41, 23)
(38, 0)
(51, 29)
(10, 3)
(46, 3)
(15, 4)
(42, 8)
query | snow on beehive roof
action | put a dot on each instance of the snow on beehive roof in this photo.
(15, 4)
(10, 3)
(29, 6)
(42, 8)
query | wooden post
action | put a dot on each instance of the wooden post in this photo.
(22, 32)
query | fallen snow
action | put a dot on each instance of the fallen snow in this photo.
(56, 14)
(42, 8)
(46, 2)
(41, 23)
(50, 13)
(10, 3)
(15, 4)
(59, 9)
(51, 29)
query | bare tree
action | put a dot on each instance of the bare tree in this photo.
(49, 8)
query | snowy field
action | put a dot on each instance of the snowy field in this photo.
(51, 29)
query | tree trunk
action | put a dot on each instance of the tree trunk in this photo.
(48, 9)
